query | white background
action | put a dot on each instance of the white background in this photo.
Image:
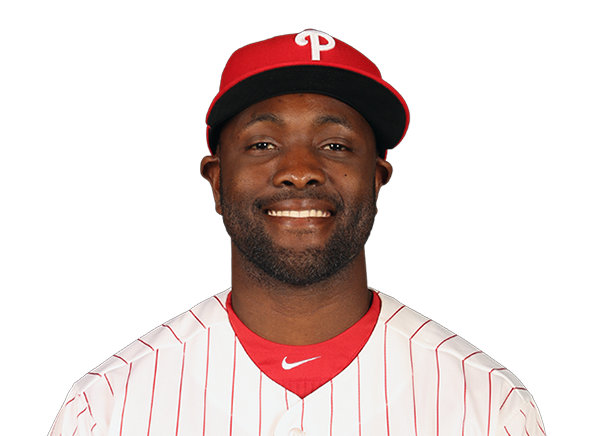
(572, 148)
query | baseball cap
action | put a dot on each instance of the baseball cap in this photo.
(308, 62)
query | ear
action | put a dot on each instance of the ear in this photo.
(210, 168)
(383, 174)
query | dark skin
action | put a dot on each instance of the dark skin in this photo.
(295, 143)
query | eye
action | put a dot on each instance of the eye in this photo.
(335, 147)
(262, 146)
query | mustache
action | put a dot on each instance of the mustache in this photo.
(332, 198)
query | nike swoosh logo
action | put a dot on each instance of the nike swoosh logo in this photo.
(285, 365)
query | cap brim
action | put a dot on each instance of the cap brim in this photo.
(382, 107)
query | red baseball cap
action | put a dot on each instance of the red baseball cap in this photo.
(312, 62)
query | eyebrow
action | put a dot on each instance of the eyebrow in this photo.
(333, 119)
(264, 116)
(319, 121)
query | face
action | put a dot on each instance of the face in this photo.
(296, 179)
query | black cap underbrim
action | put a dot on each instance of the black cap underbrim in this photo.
(382, 109)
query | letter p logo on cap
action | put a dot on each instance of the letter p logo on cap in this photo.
(315, 46)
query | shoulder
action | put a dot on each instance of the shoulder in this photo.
(123, 377)
(419, 330)
(169, 336)
(428, 340)
(423, 332)
(468, 386)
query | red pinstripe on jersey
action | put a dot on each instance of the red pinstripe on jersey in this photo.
(109, 385)
(331, 416)
(206, 381)
(302, 418)
(385, 381)
(260, 403)
(465, 390)
(490, 396)
(232, 387)
(510, 392)
(541, 428)
(146, 344)
(523, 413)
(535, 407)
(88, 405)
(359, 418)
(125, 398)
(437, 395)
(180, 390)
(176, 337)
(80, 413)
(153, 391)
(119, 357)
(412, 370)
(394, 314)
(220, 302)
(197, 319)
(506, 430)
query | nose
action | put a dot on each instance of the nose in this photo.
(299, 167)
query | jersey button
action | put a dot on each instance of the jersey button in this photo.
(296, 432)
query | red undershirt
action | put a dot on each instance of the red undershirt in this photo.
(302, 369)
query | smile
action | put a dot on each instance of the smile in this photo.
(312, 213)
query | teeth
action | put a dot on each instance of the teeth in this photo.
(313, 213)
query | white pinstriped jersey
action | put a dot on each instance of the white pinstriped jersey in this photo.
(191, 377)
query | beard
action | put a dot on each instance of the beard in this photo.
(245, 222)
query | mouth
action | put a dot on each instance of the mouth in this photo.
(300, 209)
(312, 213)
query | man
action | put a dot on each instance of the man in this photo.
(298, 136)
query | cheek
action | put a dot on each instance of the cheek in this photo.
(240, 189)
(357, 184)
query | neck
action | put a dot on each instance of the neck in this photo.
(299, 314)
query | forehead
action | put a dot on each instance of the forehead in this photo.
(301, 110)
